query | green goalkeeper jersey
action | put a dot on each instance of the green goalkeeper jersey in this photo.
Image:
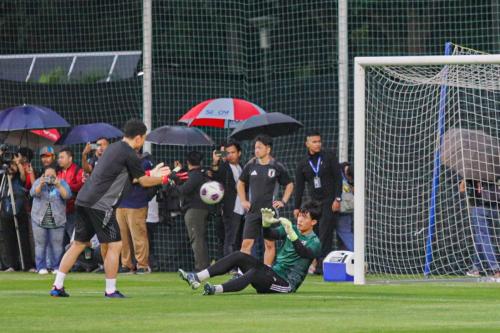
(289, 265)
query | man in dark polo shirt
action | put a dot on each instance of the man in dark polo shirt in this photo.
(262, 174)
(118, 167)
(320, 169)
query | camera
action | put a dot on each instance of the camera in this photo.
(50, 180)
(7, 154)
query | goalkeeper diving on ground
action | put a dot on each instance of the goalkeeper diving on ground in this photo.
(300, 246)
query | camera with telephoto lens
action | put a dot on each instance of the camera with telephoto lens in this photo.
(6, 157)
(50, 180)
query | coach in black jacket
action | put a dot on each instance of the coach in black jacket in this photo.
(228, 173)
(194, 209)
(320, 168)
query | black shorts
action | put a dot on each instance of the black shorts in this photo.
(252, 228)
(90, 222)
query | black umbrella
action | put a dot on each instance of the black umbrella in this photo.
(179, 136)
(89, 133)
(273, 124)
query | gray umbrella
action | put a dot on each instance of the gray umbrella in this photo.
(472, 154)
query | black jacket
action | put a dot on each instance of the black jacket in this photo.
(224, 175)
(189, 191)
(329, 174)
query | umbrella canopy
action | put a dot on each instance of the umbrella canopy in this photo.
(27, 117)
(31, 139)
(179, 136)
(273, 124)
(221, 112)
(472, 154)
(89, 133)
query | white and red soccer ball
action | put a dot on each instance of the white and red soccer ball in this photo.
(212, 192)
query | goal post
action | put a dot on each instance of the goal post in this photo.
(397, 102)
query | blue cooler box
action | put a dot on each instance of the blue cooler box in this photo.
(335, 266)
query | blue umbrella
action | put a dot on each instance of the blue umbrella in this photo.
(88, 133)
(27, 117)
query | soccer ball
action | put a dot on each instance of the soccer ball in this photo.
(212, 192)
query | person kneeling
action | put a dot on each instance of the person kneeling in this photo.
(300, 247)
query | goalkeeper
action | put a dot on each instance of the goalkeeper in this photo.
(299, 248)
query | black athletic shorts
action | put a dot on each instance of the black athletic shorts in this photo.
(252, 228)
(90, 222)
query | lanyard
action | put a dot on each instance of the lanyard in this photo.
(316, 170)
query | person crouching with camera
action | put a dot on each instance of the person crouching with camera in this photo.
(48, 217)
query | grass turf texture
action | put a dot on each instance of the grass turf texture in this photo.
(161, 302)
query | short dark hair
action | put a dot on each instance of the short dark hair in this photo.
(26, 152)
(266, 140)
(134, 127)
(103, 138)
(194, 158)
(233, 143)
(67, 150)
(312, 207)
(313, 133)
(350, 171)
(49, 167)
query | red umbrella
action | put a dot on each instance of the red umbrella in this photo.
(34, 139)
(221, 112)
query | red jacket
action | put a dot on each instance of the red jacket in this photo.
(75, 184)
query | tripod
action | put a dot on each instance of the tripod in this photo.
(10, 192)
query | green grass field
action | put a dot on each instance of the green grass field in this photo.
(161, 302)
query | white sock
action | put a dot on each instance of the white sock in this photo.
(218, 288)
(59, 283)
(203, 275)
(110, 286)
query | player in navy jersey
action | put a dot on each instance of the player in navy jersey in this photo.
(300, 247)
(262, 175)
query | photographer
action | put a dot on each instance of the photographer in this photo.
(48, 218)
(8, 236)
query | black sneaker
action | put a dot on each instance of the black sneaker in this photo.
(58, 292)
(208, 289)
(142, 271)
(116, 294)
(125, 270)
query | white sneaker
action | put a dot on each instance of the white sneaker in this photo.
(43, 271)
(55, 271)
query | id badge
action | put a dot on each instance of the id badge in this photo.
(317, 182)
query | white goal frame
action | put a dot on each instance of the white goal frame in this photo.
(359, 133)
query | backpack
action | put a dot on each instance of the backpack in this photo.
(347, 203)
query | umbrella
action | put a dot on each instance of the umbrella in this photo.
(31, 139)
(221, 112)
(88, 133)
(179, 136)
(30, 117)
(472, 154)
(273, 124)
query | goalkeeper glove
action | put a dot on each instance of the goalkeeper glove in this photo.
(287, 225)
(268, 217)
(156, 171)
(175, 177)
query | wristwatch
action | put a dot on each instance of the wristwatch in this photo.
(283, 202)
(339, 199)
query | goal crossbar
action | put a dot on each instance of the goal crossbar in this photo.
(359, 132)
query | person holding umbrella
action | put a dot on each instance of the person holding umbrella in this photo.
(482, 198)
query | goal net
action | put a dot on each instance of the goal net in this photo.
(422, 125)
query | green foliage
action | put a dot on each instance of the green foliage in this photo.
(56, 76)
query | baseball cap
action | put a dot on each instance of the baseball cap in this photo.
(47, 150)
